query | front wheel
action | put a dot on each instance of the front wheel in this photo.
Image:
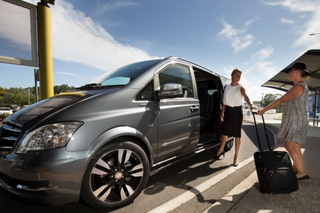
(115, 176)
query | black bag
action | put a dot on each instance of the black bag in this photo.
(274, 169)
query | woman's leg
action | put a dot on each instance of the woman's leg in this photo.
(237, 148)
(296, 155)
(222, 144)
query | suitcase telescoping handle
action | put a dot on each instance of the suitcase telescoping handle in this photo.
(265, 130)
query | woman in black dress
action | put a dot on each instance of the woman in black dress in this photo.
(231, 114)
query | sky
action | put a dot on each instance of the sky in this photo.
(91, 37)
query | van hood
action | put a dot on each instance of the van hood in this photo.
(50, 106)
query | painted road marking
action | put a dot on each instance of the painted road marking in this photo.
(183, 198)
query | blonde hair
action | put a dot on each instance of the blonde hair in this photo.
(236, 70)
(303, 74)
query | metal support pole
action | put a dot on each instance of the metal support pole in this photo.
(36, 79)
(28, 94)
(317, 105)
(45, 51)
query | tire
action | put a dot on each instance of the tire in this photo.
(115, 176)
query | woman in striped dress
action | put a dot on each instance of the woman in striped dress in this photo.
(294, 124)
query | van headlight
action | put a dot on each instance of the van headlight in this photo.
(48, 137)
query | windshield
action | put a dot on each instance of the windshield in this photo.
(123, 75)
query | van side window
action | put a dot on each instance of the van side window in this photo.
(146, 93)
(178, 74)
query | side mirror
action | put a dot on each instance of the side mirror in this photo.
(170, 90)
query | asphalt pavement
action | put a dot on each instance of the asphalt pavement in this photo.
(246, 197)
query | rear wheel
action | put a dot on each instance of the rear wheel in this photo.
(115, 176)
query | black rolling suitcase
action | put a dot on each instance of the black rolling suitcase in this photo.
(274, 169)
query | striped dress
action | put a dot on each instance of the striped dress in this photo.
(294, 124)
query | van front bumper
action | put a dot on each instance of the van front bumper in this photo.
(48, 177)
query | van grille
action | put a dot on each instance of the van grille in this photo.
(8, 137)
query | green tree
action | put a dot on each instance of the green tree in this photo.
(62, 88)
(21, 96)
(16, 96)
(2, 94)
(269, 98)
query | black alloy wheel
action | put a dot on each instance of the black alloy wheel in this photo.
(116, 175)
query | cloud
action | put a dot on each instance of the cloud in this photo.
(227, 70)
(76, 38)
(68, 74)
(311, 26)
(266, 67)
(294, 5)
(287, 21)
(257, 75)
(238, 38)
(105, 7)
(263, 53)
(306, 22)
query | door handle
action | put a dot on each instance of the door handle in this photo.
(194, 109)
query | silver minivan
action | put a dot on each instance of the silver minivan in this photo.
(102, 141)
